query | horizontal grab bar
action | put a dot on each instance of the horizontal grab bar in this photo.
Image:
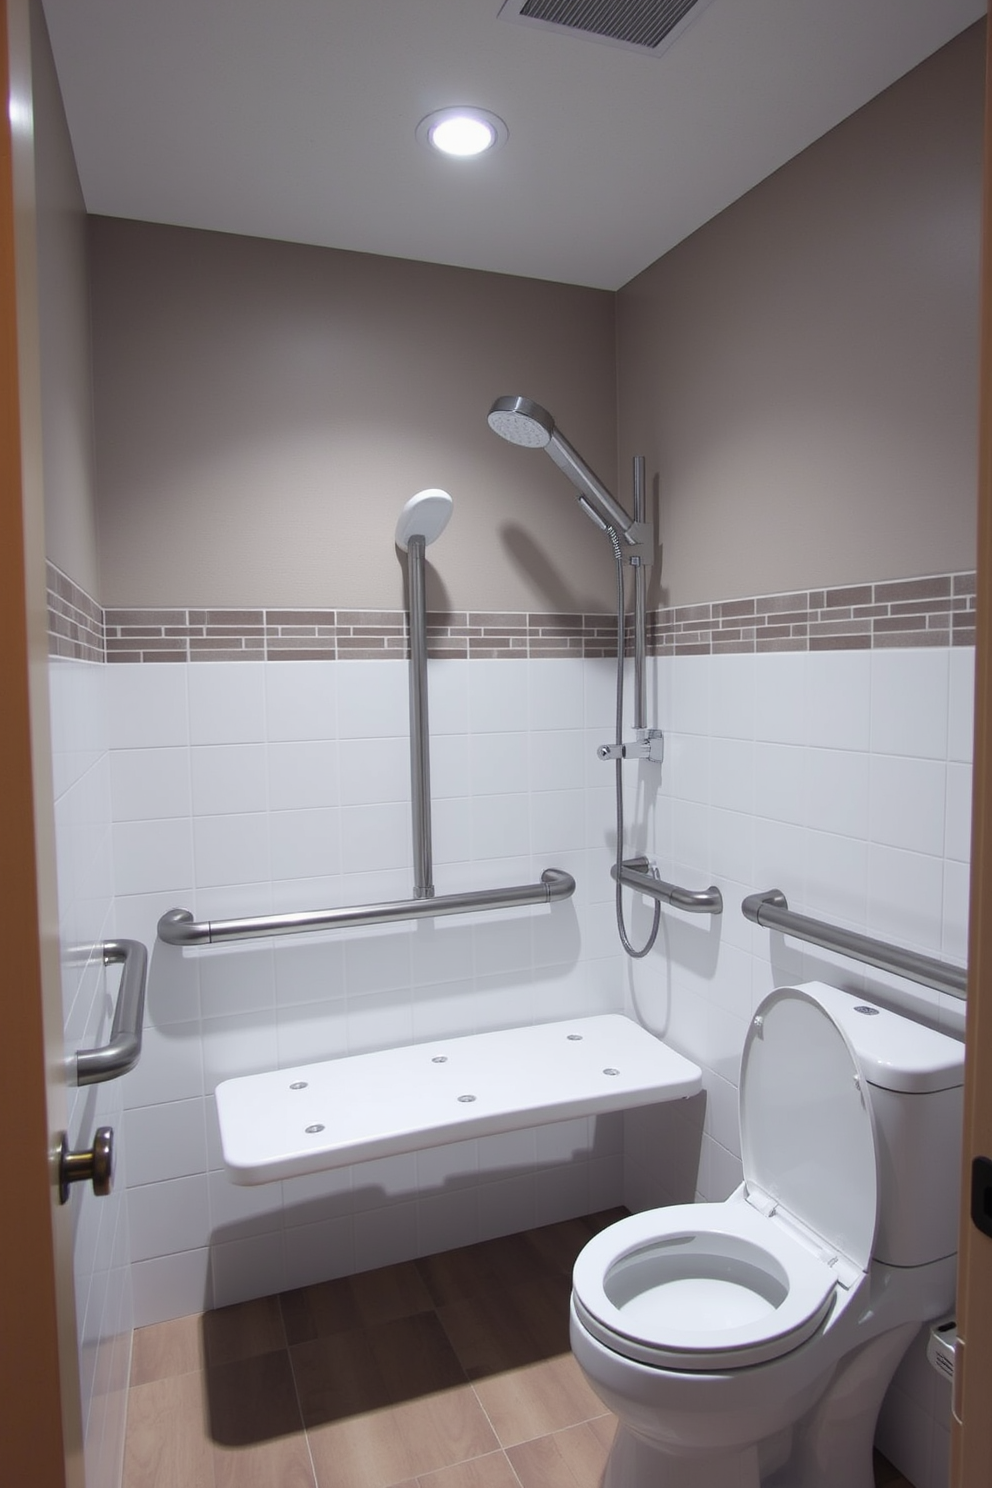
(771, 911)
(112, 1060)
(178, 927)
(636, 874)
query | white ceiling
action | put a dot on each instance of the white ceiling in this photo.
(295, 119)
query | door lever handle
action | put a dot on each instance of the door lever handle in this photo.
(92, 1165)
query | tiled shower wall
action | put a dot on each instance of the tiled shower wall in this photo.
(842, 778)
(101, 1244)
(833, 764)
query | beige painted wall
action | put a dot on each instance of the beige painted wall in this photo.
(70, 517)
(264, 410)
(802, 372)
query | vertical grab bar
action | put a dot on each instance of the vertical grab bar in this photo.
(420, 758)
(640, 602)
(121, 1054)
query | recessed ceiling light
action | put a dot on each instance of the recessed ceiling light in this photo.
(462, 132)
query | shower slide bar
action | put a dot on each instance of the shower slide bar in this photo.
(178, 927)
(636, 873)
(771, 911)
(112, 1060)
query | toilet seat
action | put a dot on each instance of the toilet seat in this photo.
(702, 1287)
(720, 1286)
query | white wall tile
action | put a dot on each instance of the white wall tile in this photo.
(373, 771)
(732, 696)
(150, 855)
(909, 703)
(302, 773)
(497, 697)
(306, 844)
(556, 695)
(957, 834)
(230, 849)
(227, 778)
(961, 704)
(148, 783)
(147, 706)
(168, 1217)
(301, 700)
(838, 699)
(908, 800)
(227, 703)
(167, 1141)
(498, 763)
(171, 1286)
(780, 697)
(373, 700)
(905, 897)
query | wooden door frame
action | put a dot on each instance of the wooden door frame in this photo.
(971, 1430)
(40, 1419)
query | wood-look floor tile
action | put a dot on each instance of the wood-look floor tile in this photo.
(390, 1292)
(506, 1328)
(242, 1330)
(559, 1244)
(508, 1260)
(337, 1378)
(167, 1444)
(574, 1458)
(320, 1311)
(415, 1357)
(252, 1400)
(491, 1471)
(165, 1349)
(537, 1400)
(383, 1448)
(276, 1464)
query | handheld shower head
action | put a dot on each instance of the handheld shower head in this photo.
(522, 421)
(424, 515)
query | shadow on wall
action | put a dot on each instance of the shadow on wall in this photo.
(534, 563)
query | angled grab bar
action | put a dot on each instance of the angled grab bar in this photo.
(771, 911)
(112, 1060)
(177, 926)
(636, 873)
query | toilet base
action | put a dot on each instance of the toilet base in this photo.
(634, 1463)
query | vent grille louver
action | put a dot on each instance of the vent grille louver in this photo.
(641, 24)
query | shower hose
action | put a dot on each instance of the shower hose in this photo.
(621, 636)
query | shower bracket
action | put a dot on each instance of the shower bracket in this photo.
(648, 744)
(639, 541)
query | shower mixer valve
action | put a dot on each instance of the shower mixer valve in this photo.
(649, 744)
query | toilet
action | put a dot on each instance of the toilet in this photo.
(751, 1342)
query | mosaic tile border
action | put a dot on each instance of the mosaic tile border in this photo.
(938, 610)
(75, 621)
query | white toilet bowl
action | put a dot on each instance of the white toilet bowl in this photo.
(729, 1338)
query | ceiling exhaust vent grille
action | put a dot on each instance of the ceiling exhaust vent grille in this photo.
(642, 25)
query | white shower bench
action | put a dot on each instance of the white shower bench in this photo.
(316, 1116)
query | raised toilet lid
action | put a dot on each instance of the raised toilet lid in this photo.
(807, 1132)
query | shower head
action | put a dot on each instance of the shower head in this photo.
(524, 422)
(424, 515)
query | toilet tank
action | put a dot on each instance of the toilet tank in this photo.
(914, 1078)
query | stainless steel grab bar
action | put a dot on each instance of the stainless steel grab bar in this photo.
(636, 873)
(771, 911)
(177, 926)
(112, 1060)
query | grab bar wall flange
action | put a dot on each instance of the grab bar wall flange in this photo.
(178, 927)
(771, 911)
(121, 1054)
(636, 874)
